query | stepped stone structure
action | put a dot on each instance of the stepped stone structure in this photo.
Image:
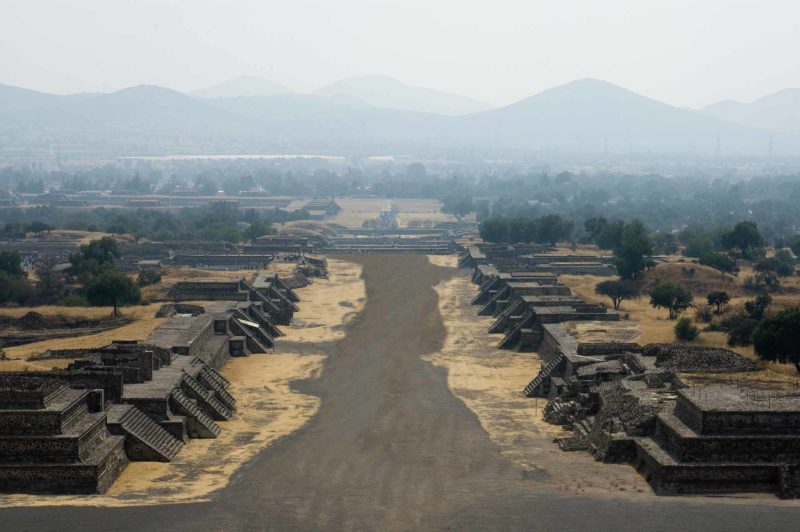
(523, 304)
(74, 430)
(627, 403)
(276, 299)
(54, 438)
(533, 258)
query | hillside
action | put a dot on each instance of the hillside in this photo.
(778, 112)
(387, 92)
(587, 116)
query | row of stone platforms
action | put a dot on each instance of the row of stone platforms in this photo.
(628, 403)
(74, 430)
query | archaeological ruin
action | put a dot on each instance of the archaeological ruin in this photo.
(628, 403)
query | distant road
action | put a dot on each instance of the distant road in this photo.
(392, 449)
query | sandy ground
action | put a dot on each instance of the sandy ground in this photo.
(334, 302)
(145, 323)
(267, 407)
(490, 382)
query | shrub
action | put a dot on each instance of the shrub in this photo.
(148, 277)
(777, 338)
(758, 306)
(685, 330)
(740, 331)
(704, 313)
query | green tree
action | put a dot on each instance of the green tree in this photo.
(758, 306)
(777, 338)
(719, 261)
(11, 263)
(458, 206)
(635, 247)
(552, 228)
(672, 297)
(719, 299)
(257, 229)
(148, 277)
(618, 290)
(494, 229)
(685, 330)
(746, 239)
(94, 257)
(39, 228)
(112, 288)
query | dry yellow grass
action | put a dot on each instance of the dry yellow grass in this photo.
(144, 324)
(656, 327)
(170, 276)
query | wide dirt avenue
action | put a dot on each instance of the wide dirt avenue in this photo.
(392, 448)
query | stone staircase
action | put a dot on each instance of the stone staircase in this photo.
(488, 308)
(206, 398)
(511, 339)
(544, 373)
(501, 322)
(218, 384)
(254, 343)
(484, 291)
(200, 424)
(266, 322)
(264, 337)
(143, 431)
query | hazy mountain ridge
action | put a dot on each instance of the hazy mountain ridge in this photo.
(390, 93)
(583, 116)
(778, 112)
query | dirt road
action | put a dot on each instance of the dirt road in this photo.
(392, 449)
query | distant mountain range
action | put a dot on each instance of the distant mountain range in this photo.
(778, 112)
(586, 116)
(383, 91)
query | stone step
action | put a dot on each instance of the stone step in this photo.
(203, 425)
(212, 405)
(140, 426)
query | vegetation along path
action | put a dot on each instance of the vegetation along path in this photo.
(392, 448)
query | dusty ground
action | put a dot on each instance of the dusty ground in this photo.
(145, 323)
(490, 382)
(267, 407)
(329, 305)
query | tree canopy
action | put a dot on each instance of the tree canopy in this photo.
(672, 297)
(635, 246)
(112, 288)
(618, 290)
(777, 338)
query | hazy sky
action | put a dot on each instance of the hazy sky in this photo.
(679, 51)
